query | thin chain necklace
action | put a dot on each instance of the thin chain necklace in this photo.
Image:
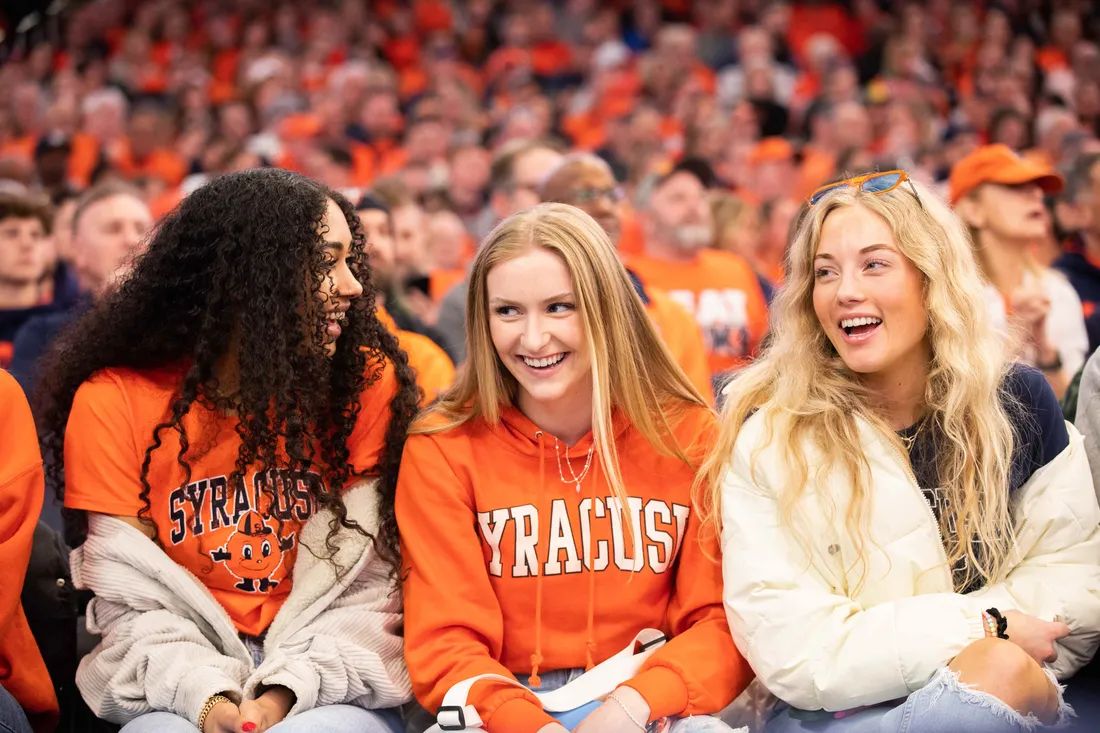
(576, 480)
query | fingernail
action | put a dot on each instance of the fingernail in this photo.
(248, 727)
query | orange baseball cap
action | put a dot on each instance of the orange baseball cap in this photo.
(999, 164)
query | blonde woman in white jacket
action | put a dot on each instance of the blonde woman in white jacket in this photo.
(910, 532)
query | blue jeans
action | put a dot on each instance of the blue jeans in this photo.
(12, 717)
(944, 705)
(560, 677)
(327, 719)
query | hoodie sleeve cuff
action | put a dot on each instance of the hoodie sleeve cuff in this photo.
(518, 715)
(663, 689)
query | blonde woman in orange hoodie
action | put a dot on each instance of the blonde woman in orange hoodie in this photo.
(546, 512)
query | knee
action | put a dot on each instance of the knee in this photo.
(997, 656)
(1004, 670)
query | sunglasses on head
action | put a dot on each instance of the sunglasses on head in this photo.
(875, 183)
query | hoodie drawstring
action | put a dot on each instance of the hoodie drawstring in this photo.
(536, 659)
(590, 642)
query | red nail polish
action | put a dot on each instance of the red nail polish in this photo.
(248, 727)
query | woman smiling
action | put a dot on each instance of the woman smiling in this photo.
(546, 507)
(906, 519)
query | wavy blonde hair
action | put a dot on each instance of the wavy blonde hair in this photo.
(633, 372)
(809, 397)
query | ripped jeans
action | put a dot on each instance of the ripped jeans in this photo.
(560, 677)
(944, 705)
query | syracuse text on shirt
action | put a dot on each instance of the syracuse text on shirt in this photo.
(658, 531)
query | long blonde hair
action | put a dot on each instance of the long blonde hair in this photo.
(809, 396)
(633, 372)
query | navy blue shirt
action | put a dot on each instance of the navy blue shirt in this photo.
(1085, 279)
(1039, 435)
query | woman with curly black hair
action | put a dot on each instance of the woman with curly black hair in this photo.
(231, 419)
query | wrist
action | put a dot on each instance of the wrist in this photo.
(996, 625)
(633, 704)
(280, 699)
(989, 625)
(1048, 359)
(207, 711)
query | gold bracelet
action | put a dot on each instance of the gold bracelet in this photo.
(625, 710)
(212, 703)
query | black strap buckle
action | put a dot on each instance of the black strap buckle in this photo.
(458, 710)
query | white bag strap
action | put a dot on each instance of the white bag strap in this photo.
(456, 715)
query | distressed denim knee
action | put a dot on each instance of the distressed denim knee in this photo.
(946, 704)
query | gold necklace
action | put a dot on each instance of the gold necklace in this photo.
(576, 480)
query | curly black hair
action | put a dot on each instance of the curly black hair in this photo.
(234, 272)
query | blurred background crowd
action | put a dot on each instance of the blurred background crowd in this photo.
(434, 106)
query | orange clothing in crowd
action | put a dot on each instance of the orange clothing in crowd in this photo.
(84, 158)
(506, 567)
(632, 237)
(162, 163)
(21, 147)
(683, 338)
(550, 58)
(434, 370)
(22, 488)
(723, 293)
(364, 161)
(440, 282)
(811, 19)
(818, 166)
(432, 16)
(222, 533)
(165, 201)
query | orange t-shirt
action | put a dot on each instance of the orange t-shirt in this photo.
(683, 338)
(230, 537)
(723, 293)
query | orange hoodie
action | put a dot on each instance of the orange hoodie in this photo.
(22, 671)
(498, 550)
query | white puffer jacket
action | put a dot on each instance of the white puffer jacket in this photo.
(168, 645)
(816, 643)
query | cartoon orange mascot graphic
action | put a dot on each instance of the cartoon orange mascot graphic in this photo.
(253, 553)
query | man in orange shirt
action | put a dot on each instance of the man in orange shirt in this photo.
(728, 299)
(587, 182)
